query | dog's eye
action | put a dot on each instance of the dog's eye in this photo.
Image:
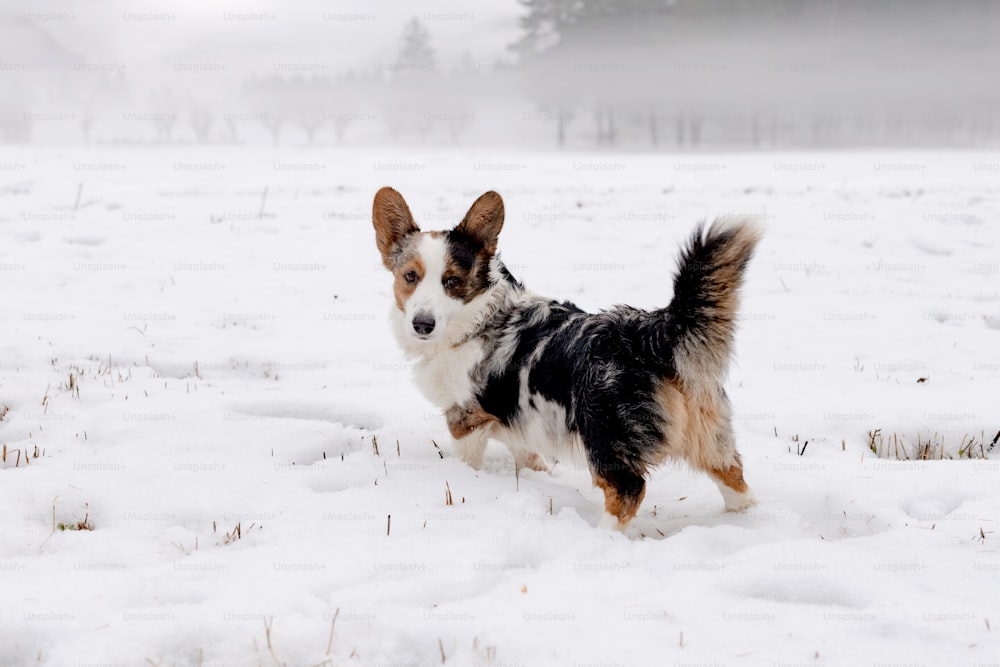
(452, 283)
(410, 277)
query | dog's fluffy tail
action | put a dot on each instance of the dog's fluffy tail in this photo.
(701, 319)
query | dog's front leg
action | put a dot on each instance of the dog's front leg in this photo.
(470, 426)
(471, 448)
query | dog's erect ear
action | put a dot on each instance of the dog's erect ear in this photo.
(483, 221)
(393, 221)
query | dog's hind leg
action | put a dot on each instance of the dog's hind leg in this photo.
(703, 421)
(725, 467)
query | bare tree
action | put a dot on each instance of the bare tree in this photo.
(415, 52)
(201, 119)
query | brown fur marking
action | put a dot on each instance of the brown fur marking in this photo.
(464, 420)
(674, 408)
(473, 281)
(623, 507)
(731, 476)
(402, 289)
(484, 221)
(393, 222)
(697, 426)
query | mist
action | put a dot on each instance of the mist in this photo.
(634, 75)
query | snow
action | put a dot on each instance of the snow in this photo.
(235, 369)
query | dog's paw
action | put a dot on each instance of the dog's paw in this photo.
(740, 502)
(533, 461)
(469, 453)
(736, 501)
(473, 460)
(610, 522)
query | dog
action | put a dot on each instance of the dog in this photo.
(619, 391)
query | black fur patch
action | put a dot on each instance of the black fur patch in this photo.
(589, 365)
(506, 275)
(471, 262)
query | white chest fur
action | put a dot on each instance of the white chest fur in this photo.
(442, 370)
(443, 377)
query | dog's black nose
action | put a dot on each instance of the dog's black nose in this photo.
(423, 323)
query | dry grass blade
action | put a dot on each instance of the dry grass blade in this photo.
(333, 623)
(268, 624)
(927, 446)
(77, 525)
(236, 533)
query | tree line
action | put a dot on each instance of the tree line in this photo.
(656, 74)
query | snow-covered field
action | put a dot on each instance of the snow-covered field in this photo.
(195, 360)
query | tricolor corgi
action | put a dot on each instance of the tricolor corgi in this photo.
(619, 391)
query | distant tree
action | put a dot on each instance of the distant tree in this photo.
(409, 98)
(233, 127)
(15, 125)
(351, 97)
(307, 100)
(267, 97)
(415, 53)
(575, 23)
(163, 111)
(99, 99)
(201, 118)
(543, 24)
(597, 56)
